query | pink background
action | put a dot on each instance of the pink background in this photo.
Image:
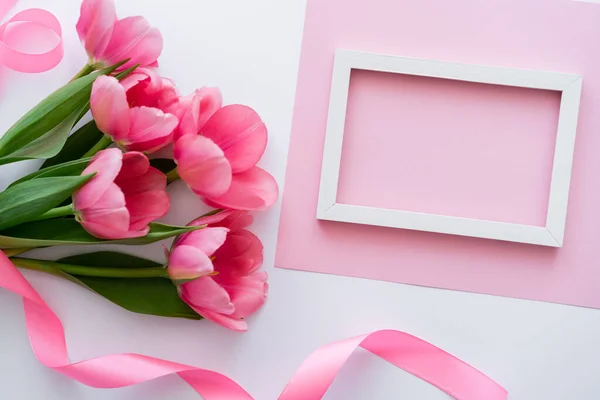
(447, 147)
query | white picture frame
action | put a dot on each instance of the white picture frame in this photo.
(550, 235)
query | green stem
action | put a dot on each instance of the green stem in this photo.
(24, 264)
(86, 70)
(83, 270)
(213, 212)
(14, 252)
(172, 176)
(103, 143)
(56, 212)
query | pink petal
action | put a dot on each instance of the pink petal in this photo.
(133, 38)
(254, 189)
(152, 179)
(106, 164)
(231, 219)
(132, 80)
(108, 103)
(249, 294)
(146, 207)
(145, 88)
(167, 99)
(206, 220)
(239, 131)
(236, 245)
(141, 74)
(202, 165)
(255, 250)
(95, 25)
(108, 218)
(209, 101)
(112, 198)
(151, 146)
(116, 220)
(242, 254)
(227, 321)
(208, 240)
(211, 219)
(190, 113)
(204, 293)
(135, 164)
(196, 109)
(187, 262)
(151, 129)
(237, 220)
(104, 232)
(109, 210)
(184, 104)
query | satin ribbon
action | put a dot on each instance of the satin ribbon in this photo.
(310, 382)
(26, 62)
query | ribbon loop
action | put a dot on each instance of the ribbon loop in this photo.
(310, 382)
(414, 355)
(28, 62)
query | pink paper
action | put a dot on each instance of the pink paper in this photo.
(452, 148)
(448, 147)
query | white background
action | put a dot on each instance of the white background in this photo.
(250, 49)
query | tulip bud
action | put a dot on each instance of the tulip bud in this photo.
(124, 196)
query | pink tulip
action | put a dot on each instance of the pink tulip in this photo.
(109, 40)
(144, 88)
(220, 163)
(124, 196)
(191, 255)
(237, 288)
(139, 128)
(196, 109)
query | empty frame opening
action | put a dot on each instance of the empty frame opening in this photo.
(448, 147)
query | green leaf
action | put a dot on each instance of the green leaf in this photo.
(30, 199)
(67, 231)
(164, 165)
(79, 143)
(70, 168)
(153, 296)
(111, 259)
(42, 132)
(125, 73)
(45, 146)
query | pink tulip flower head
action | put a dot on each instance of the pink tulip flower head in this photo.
(196, 109)
(236, 289)
(144, 88)
(191, 255)
(124, 196)
(219, 163)
(138, 128)
(108, 40)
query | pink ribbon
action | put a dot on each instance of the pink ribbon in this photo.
(310, 382)
(26, 62)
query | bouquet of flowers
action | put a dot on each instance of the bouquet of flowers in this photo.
(102, 182)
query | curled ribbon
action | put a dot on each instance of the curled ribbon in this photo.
(27, 62)
(310, 382)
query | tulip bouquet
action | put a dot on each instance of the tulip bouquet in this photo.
(101, 181)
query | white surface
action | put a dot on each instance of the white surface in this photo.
(537, 351)
(550, 235)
